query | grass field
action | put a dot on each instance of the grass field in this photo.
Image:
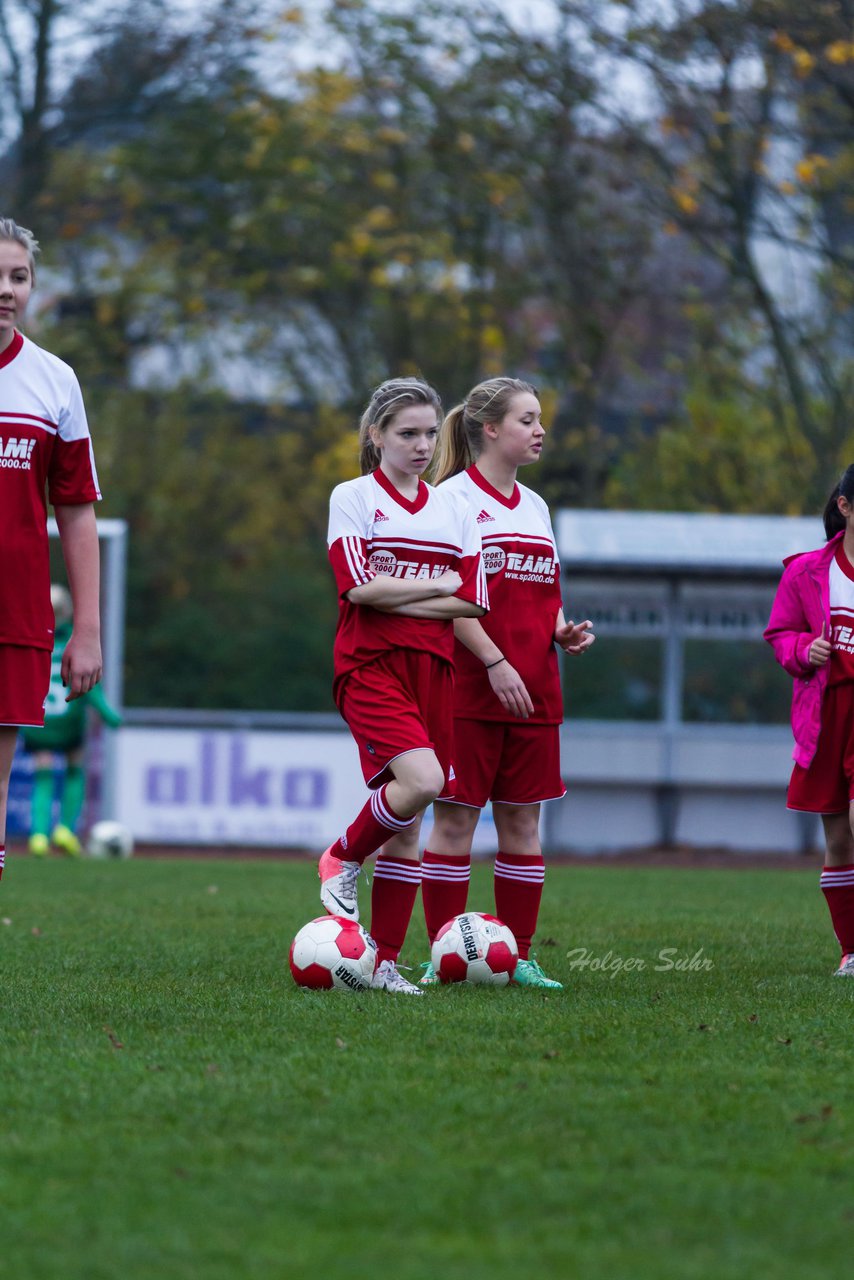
(172, 1106)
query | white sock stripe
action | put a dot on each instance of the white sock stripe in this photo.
(388, 869)
(444, 871)
(848, 878)
(385, 817)
(529, 875)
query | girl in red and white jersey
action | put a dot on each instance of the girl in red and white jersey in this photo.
(407, 562)
(508, 704)
(45, 454)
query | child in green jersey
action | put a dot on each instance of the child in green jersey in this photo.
(64, 733)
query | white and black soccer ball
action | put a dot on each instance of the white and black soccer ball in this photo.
(475, 948)
(332, 952)
(109, 839)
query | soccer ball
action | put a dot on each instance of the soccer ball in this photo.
(333, 952)
(475, 948)
(109, 839)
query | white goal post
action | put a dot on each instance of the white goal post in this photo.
(113, 540)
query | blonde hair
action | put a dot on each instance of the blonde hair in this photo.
(386, 402)
(461, 437)
(9, 230)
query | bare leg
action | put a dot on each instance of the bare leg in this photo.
(8, 738)
(838, 838)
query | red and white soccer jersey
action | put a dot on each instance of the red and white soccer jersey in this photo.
(841, 619)
(523, 576)
(44, 443)
(373, 529)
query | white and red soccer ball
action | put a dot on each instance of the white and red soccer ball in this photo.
(475, 948)
(332, 952)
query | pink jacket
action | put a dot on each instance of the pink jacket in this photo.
(801, 605)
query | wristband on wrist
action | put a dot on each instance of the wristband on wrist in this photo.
(490, 665)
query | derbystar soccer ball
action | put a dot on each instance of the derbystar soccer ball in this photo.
(109, 839)
(333, 952)
(475, 948)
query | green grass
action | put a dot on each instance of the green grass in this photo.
(172, 1106)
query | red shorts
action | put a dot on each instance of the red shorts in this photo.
(827, 786)
(24, 681)
(507, 763)
(401, 702)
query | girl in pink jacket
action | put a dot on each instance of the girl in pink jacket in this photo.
(811, 631)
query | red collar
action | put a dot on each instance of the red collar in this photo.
(14, 347)
(482, 483)
(411, 505)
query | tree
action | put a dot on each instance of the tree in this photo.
(724, 75)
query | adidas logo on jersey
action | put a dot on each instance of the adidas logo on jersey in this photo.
(16, 454)
(485, 517)
(378, 516)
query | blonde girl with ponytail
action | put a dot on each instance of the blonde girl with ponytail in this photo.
(407, 563)
(508, 704)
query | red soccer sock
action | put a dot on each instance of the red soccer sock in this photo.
(393, 893)
(2, 859)
(518, 889)
(444, 888)
(370, 829)
(837, 885)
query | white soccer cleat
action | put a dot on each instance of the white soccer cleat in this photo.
(387, 978)
(338, 891)
(846, 967)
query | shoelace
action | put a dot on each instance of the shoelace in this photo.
(349, 876)
(395, 979)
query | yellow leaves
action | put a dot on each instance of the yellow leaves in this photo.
(685, 192)
(466, 143)
(380, 218)
(783, 41)
(840, 53)
(105, 311)
(685, 201)
(804, 62)
(492, 338)
(810, 167)
(292, 16)
(392, 136)
(359, 243)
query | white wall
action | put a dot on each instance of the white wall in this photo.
(721, 785)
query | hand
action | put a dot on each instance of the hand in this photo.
(447, 583)
(81, 664)
(820, 649)
(509, 688)
(575, 637)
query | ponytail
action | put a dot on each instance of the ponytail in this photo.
(834, 521)
(461, 437)
(454, 451)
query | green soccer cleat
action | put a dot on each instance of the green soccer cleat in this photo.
(529, 974)
(428, 978)
(66, 841)
(39, 846)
